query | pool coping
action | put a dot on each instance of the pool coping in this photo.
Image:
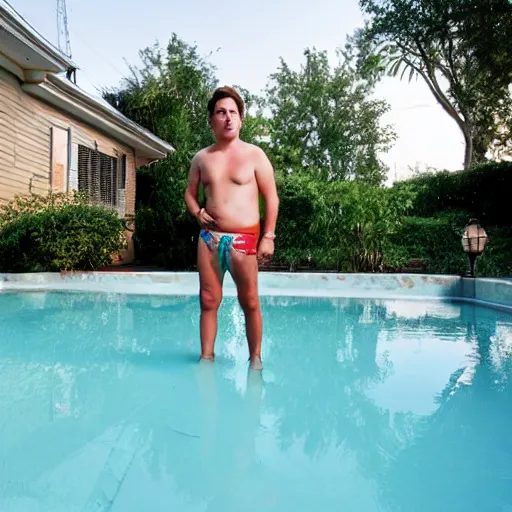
(491, 292)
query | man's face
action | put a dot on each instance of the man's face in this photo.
(226, 122)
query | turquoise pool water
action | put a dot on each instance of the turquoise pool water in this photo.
(363, 405)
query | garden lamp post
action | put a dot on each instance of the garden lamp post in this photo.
(474, 241)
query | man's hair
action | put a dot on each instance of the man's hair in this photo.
(226, 92)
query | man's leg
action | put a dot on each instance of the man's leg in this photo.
(210, 296)
(244, 270)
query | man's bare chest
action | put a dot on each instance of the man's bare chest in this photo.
(227, 171)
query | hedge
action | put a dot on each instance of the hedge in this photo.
(483, 191)
(436, 241)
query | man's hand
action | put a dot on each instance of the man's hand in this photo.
(205, 220)
(265, 251)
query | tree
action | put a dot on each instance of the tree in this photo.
(168, 95)
(323, 122)
(460, 48)
(357, 220)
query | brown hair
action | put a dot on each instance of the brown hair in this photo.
(226, 92)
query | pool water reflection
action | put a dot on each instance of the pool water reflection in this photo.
(363, 405)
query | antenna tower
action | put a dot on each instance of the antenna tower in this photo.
(62, 28)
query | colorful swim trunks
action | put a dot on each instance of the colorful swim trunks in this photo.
(245, 242)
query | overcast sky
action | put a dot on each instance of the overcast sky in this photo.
(247, 39)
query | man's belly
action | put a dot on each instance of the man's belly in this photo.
(231, 216)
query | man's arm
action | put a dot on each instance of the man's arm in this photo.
(192, 189)
(268, 189)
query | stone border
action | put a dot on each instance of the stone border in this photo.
(496, 293)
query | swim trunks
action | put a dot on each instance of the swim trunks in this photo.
(245, 241)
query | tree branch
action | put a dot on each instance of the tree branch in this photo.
(439, 95)
(436, 90)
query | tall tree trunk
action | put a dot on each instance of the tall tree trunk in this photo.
(481, 145)
(468, 152)
(462, 115)
(476, 146)
(464, 125)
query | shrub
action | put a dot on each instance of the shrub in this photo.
(437, 241)
(434, 240)
(483, 191)
(36, 203)
(357, 221)
(336, 225)
(299, 205)
(46, 236)
(496, 261)
(166, 233)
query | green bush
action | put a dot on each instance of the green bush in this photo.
(166, 234)
(337, 225)
(496, 261)
(32, 203)
(298, 242)
(358, 220)
(349, 226)
(434, 240)
(437, 242)
(483, 191)
(70, 236)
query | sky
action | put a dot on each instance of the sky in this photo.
(246, 41)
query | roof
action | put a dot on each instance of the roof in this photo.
(39, 65)
(66, 96)
(25, 48)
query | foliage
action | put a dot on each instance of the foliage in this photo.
(443, 204)
(436, 241)
(496, 261)
(324, 122)
(354, 227)
(298, 242)
(63, 233)
(490, 48)
(339, 225)
(358, 220)
(483, 191)
(449, 45)
(32, 203)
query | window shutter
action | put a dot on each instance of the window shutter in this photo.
(102, 178)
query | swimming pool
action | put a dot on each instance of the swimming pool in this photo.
(364, 404)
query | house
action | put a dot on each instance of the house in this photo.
(55, 136)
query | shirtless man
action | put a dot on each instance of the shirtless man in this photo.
(233, 174)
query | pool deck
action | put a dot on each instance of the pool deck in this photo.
(495, 293)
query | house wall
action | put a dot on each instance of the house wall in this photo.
(26, 163)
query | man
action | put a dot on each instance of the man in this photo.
(233, 174)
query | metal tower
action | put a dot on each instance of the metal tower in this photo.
(62, 28)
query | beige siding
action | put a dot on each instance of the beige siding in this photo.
(25, 142)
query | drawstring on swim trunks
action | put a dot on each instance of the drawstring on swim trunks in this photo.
(225, 243)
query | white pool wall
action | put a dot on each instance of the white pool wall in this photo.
(493, 292)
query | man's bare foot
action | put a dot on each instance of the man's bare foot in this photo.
(256, 364)
(208, 359)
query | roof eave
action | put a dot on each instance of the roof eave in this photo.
(13, 23)
(91, 114)
(109, 111)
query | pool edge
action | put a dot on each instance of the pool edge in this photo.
(491, 292)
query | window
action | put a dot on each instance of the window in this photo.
(59, 159)
(102, 177)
